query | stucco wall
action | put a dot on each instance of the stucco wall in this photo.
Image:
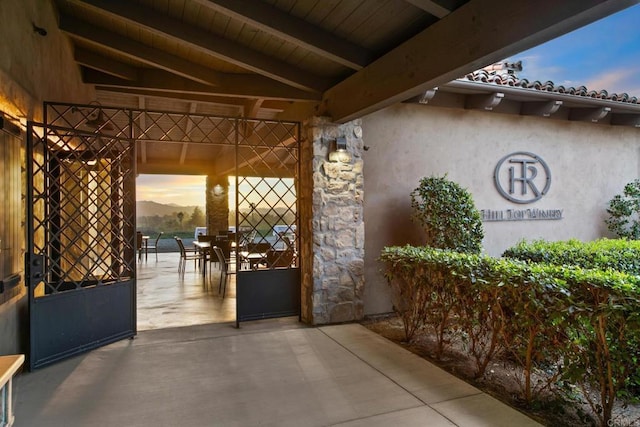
(589, 164)
(33, 69)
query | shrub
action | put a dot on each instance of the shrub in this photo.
(617, 254)
(581, 325)
(448, 215)
(623, 212)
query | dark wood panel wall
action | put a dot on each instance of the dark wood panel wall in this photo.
(12, 240)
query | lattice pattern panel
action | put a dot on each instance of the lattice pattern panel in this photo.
(267, 203)
(84, 206)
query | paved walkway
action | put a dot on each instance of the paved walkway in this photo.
(268, 373)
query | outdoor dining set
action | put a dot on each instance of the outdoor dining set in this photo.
(229, 256)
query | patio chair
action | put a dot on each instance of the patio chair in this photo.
(224, 269)
(139, 244)
(154, 246)
(186, 255)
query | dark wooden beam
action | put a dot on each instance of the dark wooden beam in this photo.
(294, 30)
(430, 7)
(622, 119)
(205, 99)
(210, 44)
(138, 51)
(187, 132)
(483, 102)
(142, 123)
(593, 115)
(98, 62)
(540, 108)
(477, 34)
(427, 96)
(241, 85)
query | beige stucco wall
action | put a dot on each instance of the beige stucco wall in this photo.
(33, 69)
(589, 164)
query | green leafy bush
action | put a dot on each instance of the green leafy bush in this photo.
(617, 254)
(624, 210)
(578, 325)
(448, 215)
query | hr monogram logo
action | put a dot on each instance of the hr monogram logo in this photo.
(519, 176)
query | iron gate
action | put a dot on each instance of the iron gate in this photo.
(81, 253)
(268, 265)
(82, 186)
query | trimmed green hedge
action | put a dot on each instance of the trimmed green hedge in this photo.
(578, 325)
(617, 254)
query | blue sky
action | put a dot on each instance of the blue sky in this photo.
(602, 55)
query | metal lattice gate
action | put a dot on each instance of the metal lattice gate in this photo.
(81, 253)
(81, 215)
(267, 220)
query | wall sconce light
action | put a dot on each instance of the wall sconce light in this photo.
(39, 30)
(94, 117)
(338, 151)
(218, 190)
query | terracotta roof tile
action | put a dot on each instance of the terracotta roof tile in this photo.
(490, 75)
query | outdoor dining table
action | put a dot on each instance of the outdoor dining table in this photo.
(253, 258)
(204, 248)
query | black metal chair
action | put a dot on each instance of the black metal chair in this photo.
(225, 271)
(186, 255)
(139, 244)
(154, 247)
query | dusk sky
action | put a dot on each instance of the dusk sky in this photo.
(603, 55)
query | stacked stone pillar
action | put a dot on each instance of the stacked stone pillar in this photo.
(332, 205)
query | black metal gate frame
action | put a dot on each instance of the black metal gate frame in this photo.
(80, 261)
(255, 152)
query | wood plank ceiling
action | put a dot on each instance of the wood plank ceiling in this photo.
(288, 60)
(271, 58)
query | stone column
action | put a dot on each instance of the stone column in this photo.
(332, 205)
(217, 200)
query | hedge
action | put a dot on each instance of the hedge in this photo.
(578, 325)
(617, 254)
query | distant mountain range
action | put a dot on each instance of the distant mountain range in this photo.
(148, 208)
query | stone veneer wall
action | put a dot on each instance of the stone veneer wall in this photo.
(217, 206)
(333, 252)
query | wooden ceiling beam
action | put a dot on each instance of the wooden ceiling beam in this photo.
(205, 99)
(251, 107)
(479, 33)
(540, 108)
(430, 7)
(83, 31)
(185, 145)
(593, 115)
(294, 30)
(622, 119)
(98, 62)
(483, 102)
(240, 85)
(143, 126)
(210, 44)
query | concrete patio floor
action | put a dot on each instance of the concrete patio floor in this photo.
(275, 372)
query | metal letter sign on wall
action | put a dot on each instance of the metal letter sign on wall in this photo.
(522, 177)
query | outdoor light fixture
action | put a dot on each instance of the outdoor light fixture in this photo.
(338, 151)
(218, 190)
(39, 30)
(95, 118)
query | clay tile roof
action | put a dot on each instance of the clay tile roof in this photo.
(505, 74)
